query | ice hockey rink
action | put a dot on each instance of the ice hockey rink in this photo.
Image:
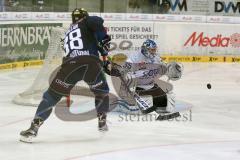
(211, 131)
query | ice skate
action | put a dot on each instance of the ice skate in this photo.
(168, 112)
(102, 122)
(170, 108)
(28, 135)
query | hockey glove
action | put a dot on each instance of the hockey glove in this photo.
(105, 44)
(102, 51)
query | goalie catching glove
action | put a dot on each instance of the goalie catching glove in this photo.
(174, 71)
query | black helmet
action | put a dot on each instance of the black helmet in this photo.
(77, 14)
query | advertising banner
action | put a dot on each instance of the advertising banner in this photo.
(176, 38)
(20, 16)
(4, 16)
(185, 42)
(205, 7)
(211, 39)
(128, 36)
(113, 16)
(20, 42)
(224, 7)
(194, 7)
(209, 16)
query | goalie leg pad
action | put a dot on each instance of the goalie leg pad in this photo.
(159, 97)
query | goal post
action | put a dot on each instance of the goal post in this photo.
(53, 59)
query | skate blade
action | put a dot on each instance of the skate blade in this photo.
(168, 116)
(103, 129)
(26, 139)
(163, 112)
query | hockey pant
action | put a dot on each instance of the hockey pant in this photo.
(86, 68)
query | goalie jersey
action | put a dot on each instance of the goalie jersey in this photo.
(144, 70)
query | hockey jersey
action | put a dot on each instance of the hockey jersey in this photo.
(144, 70)
(82, 38)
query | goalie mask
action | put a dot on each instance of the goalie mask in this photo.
(149, 49)
(78, 14)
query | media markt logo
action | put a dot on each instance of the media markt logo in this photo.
(219, 40)
(235, 40)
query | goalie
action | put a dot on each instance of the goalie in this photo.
(142, 70)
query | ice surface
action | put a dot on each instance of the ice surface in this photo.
(210, 132)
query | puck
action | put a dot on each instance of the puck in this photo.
(209, 86)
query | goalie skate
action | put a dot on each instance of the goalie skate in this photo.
(180, 106)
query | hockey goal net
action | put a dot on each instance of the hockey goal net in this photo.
(33, 94)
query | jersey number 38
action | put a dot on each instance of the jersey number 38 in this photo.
(73, 41)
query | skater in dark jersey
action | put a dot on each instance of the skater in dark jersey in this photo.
(84, 40)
